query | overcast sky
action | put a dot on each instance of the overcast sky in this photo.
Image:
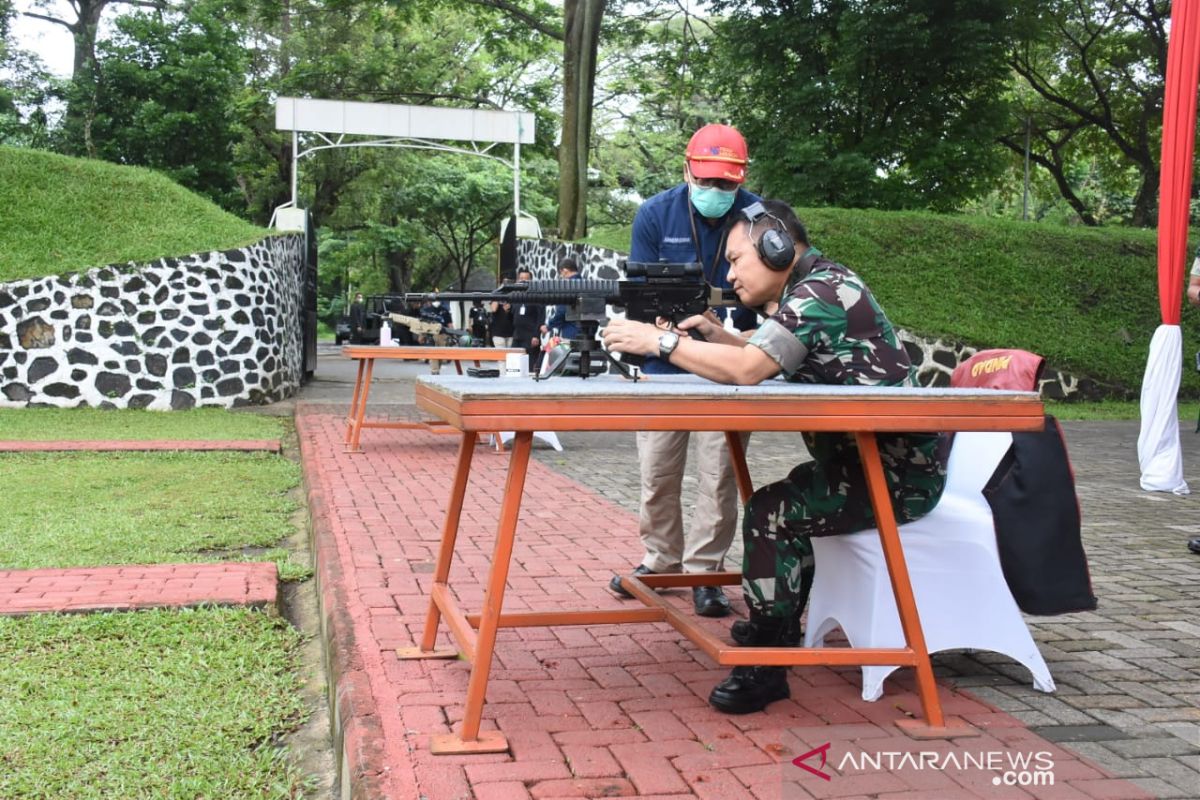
(51, 42)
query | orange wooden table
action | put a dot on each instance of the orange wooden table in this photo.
(366, 355)
(692, 404)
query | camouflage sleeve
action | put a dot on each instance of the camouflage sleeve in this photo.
(813, 315)
(780, 344)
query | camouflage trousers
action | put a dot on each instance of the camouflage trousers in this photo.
(826, 497)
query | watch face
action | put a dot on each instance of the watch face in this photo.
(667, 343)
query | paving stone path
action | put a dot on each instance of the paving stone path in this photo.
(622, 712)
(85, 589)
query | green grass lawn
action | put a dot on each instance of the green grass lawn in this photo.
(94, 509)
(152, 704)
(1116, 410)
(205, 424)
(68, 214)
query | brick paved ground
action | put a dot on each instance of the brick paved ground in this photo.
(81, 589)
(621, 711)
(106, 446)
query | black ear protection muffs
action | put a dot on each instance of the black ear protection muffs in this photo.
(775, 246)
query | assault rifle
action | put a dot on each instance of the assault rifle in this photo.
(426, 327)
(650, 291)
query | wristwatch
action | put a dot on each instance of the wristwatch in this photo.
(667, 344)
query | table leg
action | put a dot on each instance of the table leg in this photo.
(441, 573)
(362, 405)
(934, 725)
(353, 415)
(737, 453)
(470, 739)
(458, 366)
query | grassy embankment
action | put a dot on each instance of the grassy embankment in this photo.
(1087, 299)
(65, 215)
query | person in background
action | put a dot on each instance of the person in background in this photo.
(568, 270)
(481, 320)
(824, 327)
(687, 224)
(529, 326)
(502, 325)
(357, 318)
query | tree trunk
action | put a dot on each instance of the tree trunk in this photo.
(1145, 204)
(82, 99)
(399, 268)
(582, 40)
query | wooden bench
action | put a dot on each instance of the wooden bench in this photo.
(366, 356)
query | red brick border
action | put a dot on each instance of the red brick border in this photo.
(129, 587)
(107, 446)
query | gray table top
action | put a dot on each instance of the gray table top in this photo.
(465, 387)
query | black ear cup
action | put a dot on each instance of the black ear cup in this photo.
(776, 249)
(775, 246)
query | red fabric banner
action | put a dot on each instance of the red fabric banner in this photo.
(1178, 142)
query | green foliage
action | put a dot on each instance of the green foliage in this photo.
(66, 214)
(166, 704)
(1091, 82)
(887, 105)
(164, 96)
(91, 509)
(24, 88)
(1085, 298)
(100, 424)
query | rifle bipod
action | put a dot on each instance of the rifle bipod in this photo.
(589, 350)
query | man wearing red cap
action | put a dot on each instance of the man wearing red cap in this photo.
(686, 223)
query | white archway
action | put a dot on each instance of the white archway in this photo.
(404, 126)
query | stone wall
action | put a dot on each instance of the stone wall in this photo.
(935, 358)
(209, 329)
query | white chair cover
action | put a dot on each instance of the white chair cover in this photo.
(954, 565)
(549, 437)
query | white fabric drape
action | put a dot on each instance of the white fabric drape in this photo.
(1159, 452)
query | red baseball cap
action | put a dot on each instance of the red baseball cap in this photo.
(717, 151)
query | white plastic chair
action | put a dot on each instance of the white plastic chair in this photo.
(954, 565)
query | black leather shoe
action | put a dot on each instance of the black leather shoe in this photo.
(749, 689)
(615, 583)
(710, 601)
(1194, 545)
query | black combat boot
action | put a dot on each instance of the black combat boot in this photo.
(752, 633)
(749, 689)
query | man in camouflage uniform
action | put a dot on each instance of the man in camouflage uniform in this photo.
(823, 326)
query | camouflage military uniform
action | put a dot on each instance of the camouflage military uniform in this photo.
(830, 330)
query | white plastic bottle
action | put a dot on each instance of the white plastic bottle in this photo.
(385, 334)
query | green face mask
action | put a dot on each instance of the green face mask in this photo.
(711, 203)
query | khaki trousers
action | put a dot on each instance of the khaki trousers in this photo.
(662, 456)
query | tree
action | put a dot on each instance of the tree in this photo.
(165, 96)
(1097, 72)
(24, 89)
(580, 37)
(81, 94)
(857, 103)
